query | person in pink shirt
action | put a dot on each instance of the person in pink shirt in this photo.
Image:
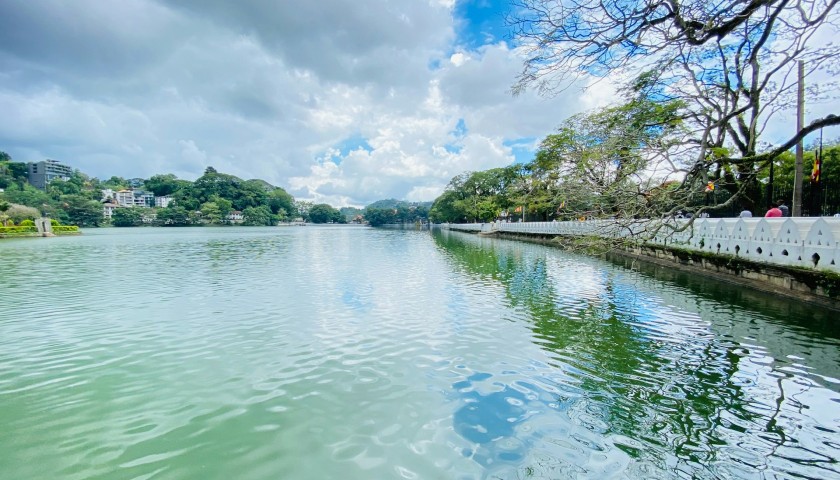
(773, 212)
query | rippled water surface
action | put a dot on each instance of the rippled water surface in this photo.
(353, 353)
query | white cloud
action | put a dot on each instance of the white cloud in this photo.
(458, 59)
(422, 194)
(191, 154)
(256, 90)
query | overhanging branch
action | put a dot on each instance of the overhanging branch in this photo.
(827, 121)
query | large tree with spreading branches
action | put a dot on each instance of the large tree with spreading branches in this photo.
(722, 70)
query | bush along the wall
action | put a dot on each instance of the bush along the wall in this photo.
(18, 230)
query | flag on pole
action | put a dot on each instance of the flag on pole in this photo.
(815, 172)
(816, 185)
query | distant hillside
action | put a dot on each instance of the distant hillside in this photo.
(394, 203)
(351, 212)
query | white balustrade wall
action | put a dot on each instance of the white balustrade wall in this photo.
(802, 241)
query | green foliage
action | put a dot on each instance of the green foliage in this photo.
(18, 230)
(225, 206)
(114, 183)
(12, 173)
(59, 187)
(174, 216)
(211, 213)
(77, 184)
(380, 216)
(783, 175)
(212, 184)
(387, 203)
(194, 217)
(19, 213)
(592, 167)
(216, 210)
(403, 213)
(397, 204)
(27, 223)
(446, 208)
(250, 195)
(323, 213)
(280, 200)
(163, 185)
(722, 72)
(604, 154)
(82, 211)
(479, 196)
(26, 195)
(350, 213)
(260, 184)
(18, 170)
(76, 200)
(302, 208)
(127, 217)
(259, 216)
(66, 229)
(54, 222)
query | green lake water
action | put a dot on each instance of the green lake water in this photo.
(357, 353)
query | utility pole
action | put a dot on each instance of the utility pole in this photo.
(770, 183)
(796, 211)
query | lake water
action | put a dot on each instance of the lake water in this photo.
(356, 353)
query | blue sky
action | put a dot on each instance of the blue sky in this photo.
(335, 103)
(481, 22)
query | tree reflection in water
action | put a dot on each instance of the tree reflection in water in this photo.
(669, 375)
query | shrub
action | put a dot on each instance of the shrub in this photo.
(65, 228)
(17, 230)
(18, 213)
(27, 223)
(54, 222)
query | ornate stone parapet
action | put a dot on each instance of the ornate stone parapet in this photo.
(808, 242)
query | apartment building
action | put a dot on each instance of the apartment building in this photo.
(108, 209)
(42, 173)
(163, 202)
(134, 198)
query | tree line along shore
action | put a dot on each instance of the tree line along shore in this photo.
(215, 198)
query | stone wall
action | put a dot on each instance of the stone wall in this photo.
(811, 243)
(792, 257)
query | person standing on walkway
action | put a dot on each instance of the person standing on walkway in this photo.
(784, 208)
(773, 212)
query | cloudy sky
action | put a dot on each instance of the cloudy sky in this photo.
(337, 101)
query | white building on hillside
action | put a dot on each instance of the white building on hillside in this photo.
(108, 209)
(134, 198)
(163, 202)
